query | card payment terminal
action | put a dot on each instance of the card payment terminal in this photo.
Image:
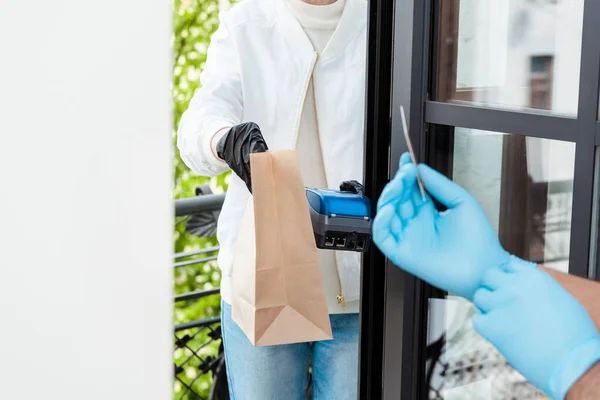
(341, 220)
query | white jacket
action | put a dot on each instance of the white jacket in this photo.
(258, 69)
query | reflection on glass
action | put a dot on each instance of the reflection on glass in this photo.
(525, 187)
(510, 53)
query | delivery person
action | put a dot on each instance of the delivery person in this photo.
(546, 333)
(285, 74)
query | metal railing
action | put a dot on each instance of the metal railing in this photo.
(199, 369)
(198, 204)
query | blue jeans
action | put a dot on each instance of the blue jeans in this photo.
(281, 372)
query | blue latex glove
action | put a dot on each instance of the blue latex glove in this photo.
(450, 250)
(538, 326)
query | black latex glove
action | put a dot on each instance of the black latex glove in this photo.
(353, 187)
(236, 146)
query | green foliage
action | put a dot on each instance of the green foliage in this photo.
(194, 23)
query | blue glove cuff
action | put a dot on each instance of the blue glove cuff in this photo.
(573, 367)
(515, 262)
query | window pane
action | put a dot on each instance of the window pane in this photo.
(525, 187)
(521, 54)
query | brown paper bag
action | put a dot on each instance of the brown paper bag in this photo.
(278, 295)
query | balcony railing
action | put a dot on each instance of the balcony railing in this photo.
(199, 371)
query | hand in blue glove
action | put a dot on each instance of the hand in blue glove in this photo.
(452, 249)
(543, 332)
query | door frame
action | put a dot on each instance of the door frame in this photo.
(401, 69)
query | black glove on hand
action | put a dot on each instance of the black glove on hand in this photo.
(353, 187)
(236, 146)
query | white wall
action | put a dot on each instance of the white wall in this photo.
(85, 207)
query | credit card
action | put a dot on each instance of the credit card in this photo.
(411, 151)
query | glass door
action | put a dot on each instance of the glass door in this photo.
(503, 99)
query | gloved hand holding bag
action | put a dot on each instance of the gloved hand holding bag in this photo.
(235, 147)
